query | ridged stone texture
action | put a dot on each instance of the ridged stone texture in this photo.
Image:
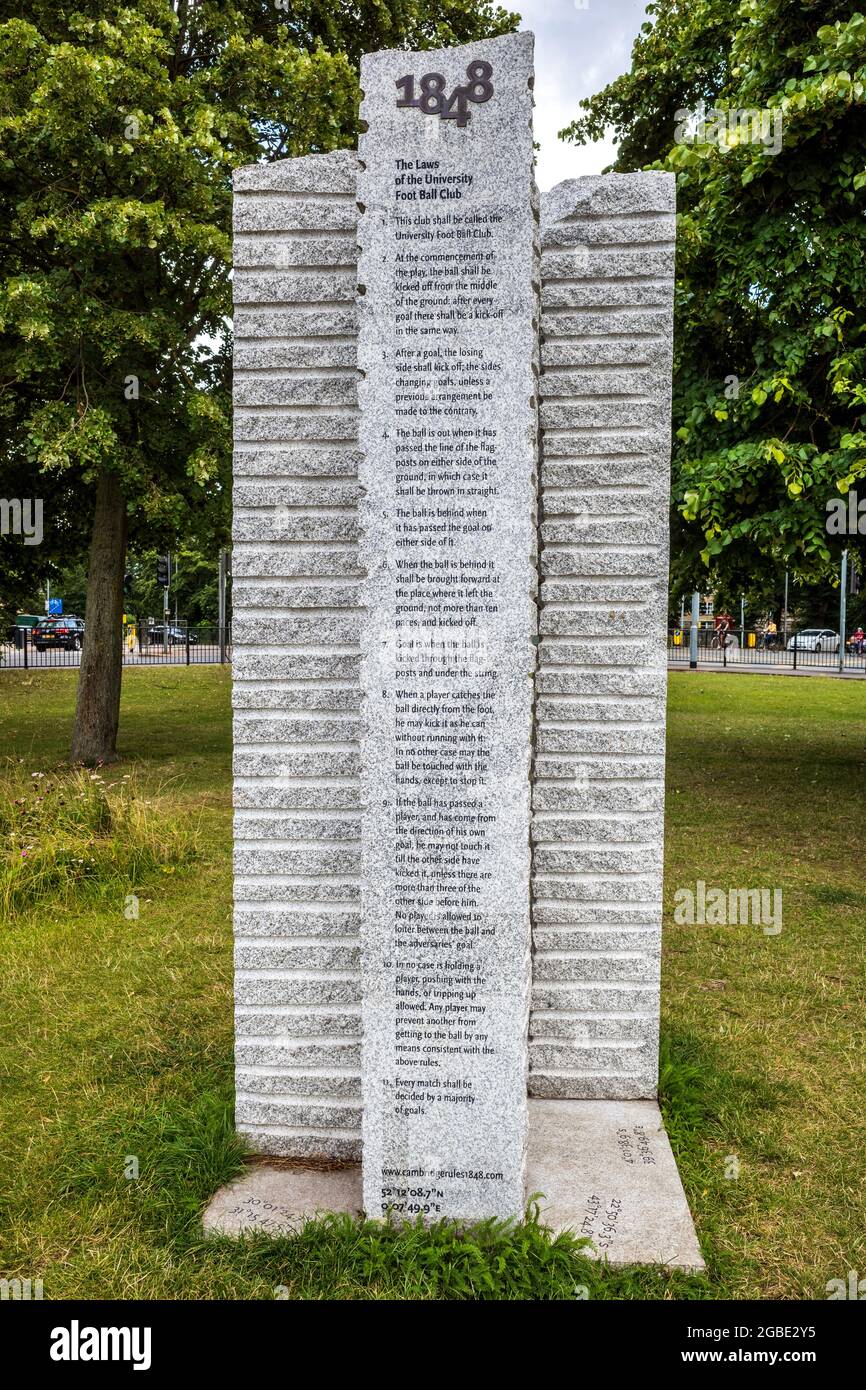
(606, 331)
(296, 656)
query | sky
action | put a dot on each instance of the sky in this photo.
(579, 48)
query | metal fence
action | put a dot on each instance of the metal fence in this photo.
(177, 644)
(752, 650)
(185, 644)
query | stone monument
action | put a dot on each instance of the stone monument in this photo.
(452, 413)
(448, 436)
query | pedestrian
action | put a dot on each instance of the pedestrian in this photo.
(857, 640)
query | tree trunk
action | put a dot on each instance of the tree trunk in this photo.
(97, 711)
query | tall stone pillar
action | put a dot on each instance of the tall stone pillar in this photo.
(447, 348)
(296, 657)
(598, 824)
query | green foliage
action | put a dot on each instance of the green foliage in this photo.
(72, 836)
(120, 126)
(447, 1259)
(771, 270)
(194, 585)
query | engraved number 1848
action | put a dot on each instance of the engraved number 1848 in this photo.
(433, 100)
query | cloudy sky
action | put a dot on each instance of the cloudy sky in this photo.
(577, 52)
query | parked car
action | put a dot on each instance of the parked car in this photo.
(63, 633)
(169, 637)
(814, 639)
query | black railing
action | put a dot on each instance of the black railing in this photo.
(176, 644)
(759, 651)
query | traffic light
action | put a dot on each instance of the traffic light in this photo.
(163, 571)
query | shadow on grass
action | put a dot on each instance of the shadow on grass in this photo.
(713, 1114)
(162, 1162)
(829, 895)
(702, 1096)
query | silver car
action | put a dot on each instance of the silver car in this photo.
(814, 639)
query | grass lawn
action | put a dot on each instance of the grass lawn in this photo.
(116, 1041)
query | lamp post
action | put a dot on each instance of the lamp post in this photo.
(843, 609)
(221, 620)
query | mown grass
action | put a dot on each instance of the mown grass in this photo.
(115, 1034)
(766, 783)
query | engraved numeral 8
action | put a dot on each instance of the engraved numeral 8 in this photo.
(432, 94)
(480, 86)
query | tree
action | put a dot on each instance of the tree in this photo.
(770, 386)
(120, 126)
(194, 590)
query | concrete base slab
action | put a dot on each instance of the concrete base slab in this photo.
(607, 1172)
(277, 1201)
(605, 1168)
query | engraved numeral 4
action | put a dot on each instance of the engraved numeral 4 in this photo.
(456, 107)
